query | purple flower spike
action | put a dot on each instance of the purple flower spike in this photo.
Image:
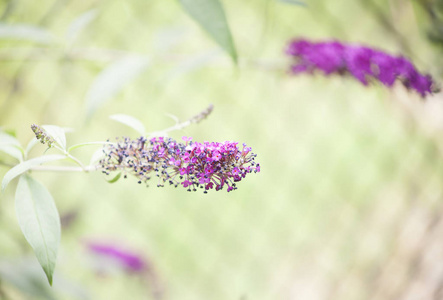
(363, 63)
(192, 165)
(126, 259)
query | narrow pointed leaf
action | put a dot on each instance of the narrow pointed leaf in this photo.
(211, 17)
(191, 64)
(79, 25)
(96, 156)
(130, 121)
(11, 146)
(26, 165)
(7, 139)
(115, 178)
(30, 146)
(57, 133)
(73, 147)
(39, 221)
(25, 32)
(25, 275)
(13, 151)
(294, 2)
(112, 80)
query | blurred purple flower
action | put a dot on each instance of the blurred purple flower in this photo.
(109, 255)
(363, 63)
(129, 261)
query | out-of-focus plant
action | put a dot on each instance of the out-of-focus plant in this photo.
(191, 164)
(108, 256)
(430, 14)
(364, 63)
(39, 43)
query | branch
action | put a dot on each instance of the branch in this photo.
(57, 168)
(194, 120)
(65, 168)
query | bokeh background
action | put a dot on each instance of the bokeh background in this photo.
(348, 203)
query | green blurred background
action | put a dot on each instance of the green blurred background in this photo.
(349, 199)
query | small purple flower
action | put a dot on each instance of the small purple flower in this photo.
(186, 139)
(186, 183)
(192, 165)
(363, 63)
(128, 260)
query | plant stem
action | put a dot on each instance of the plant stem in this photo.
(65, 168)
(57, 168)
(194, 120)
(76, 161)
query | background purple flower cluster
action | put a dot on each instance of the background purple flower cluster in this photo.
(206, 165)
(130, 261)
(363, 63)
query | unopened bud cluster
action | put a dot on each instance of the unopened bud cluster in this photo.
(42, 136)
(193, 165)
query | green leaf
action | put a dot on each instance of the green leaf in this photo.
(39, 221)
(31, 145)
(87, 144)
(294, 2)
(96, 156)
(79, 25)
(26, 165)
(25, 275)
(8, 139)
(57, 133)
(211, 17)
(115, 178)
(130, 121)
(11, 146)
(112, 80)
(191, 64)
(13, 151)
(25, 32)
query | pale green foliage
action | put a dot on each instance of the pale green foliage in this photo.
(39, 221)
(211, 17)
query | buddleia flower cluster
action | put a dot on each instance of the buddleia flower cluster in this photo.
(42, 136)
(128, 260)
(363, 63)
(193, 165)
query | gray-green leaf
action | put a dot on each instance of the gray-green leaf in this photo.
(293, 2)
(39, 221)
(25, 275)
(79, 25)
(11, 146)
(26, 165)
(13, 151)
(26, 32)
(130, 121)
(211, 16)
(57, 133)
(7, 139)
(96, 156)
(30, 146)
(112, 79)
(191, 64)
